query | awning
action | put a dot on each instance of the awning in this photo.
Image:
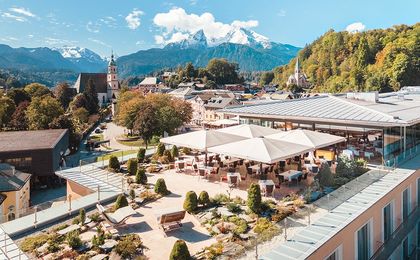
(249, 131)
(309, 138)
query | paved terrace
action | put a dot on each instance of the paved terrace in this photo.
(90, 176)
(342, 207)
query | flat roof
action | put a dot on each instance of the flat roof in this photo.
(356, 201)
(391, 109)
(30, 140)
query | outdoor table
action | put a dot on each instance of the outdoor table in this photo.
(310, 166)
(230, 174)
(231, 160)
(207, 169)
(264, 183)
(291, 174)
(257, 167)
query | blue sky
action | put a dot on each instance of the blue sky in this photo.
(127, 26)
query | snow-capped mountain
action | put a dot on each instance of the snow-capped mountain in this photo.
(85, 59)
(236, 35)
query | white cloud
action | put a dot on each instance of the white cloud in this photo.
(59, 42)
(281, 13)
(14, 17)
(22, 11)
(133, 19)
(93, 27)
(30, 36)
(355, 27)
(9, 39)
(99, 42)
(176, 24)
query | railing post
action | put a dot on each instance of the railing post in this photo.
(5, 243)
(99, 193)
(69, 204)
(285, 229)
(80, 165)
(35, 216)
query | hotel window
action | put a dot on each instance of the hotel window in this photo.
(405, 204)
(387, 222)
(336, 255)
(363, 242)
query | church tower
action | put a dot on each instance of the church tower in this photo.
(297, 74)
(112, 79)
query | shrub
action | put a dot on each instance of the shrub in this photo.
(265, 229)
(114, 164)
(204, 199)
(219, 199)
(190, 202)
(120, 202)
(325, 176)
(174, 152)
(132, 166)
(132, 194)
(30, 243)
(233, 207)
(160, 149)
(141, 177)
(168, 155)
(186, 150)
(160, 187)
(82, 216)
(76, 220)
(95, 217)
(254, 198)
(241, 225)
(99, 238)
(128, 246)
(141, 155)
(281, 213)
(73, 239)
(180, 251)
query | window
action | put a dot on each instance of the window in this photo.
(363, 242)
(405, 252)
(418, 192)
(387, 216)
(405, 207)
(336, 255)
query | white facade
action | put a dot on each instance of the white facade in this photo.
(112, 80)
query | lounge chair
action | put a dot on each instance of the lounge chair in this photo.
(117, 218)
(269, 190)
(170, 219)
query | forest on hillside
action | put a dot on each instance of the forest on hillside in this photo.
(381, 59)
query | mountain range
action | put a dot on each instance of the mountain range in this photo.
(252, 51)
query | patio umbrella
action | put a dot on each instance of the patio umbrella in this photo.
(249, 131)
(201, 140)
(261, 149)
(309, 138)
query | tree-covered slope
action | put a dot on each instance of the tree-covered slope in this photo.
(381, 59)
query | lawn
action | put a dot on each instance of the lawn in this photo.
(136, 143)
(96, 137)
(117, 153)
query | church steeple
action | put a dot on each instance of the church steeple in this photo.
(297, 73)
(112, 78)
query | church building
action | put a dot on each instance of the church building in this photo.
(106, 84)
(298, 78)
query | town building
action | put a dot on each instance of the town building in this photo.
(39, 153)
(106, 84)
(216, 103)
(182, 93)
(298, 78)
(168, 74)
(14, 192)
(234, 88)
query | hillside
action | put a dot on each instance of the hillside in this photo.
(381, 59)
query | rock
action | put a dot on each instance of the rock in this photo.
(225, 212)
(224, 237)
(232, 249)
(244, 236)
(215, 230)
(99, 257)
(109, 245)
(207, 226)
(91, 253)
(247, 218)
(43, 249)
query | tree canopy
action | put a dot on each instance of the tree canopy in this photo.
(381, 59)
(42, 111)
(37, 90)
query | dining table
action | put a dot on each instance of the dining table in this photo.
(264, 183)
(207, 169)
(231, 160)
(257, 167)
(291, 174)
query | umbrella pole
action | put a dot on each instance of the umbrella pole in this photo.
(261, 169)
(205, 159)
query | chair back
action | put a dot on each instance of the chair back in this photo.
(299, 178)
(305, 176)
(233, 179)
(195, 167)
(241, 161)
(247, 164)
(282, 164)
(216, 171)
(231, 169)
(181, 165)
(220, 164)
(271, 168)
(269, 189)
(281, 178)
(210, 159)
(315, 169)
(266, 171)
(249, 170)
(202, 172)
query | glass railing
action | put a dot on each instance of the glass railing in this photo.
(403, 157)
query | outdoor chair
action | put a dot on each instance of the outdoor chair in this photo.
(246, 164)
(202, 172)
(231, 169)
(269, 190)
(315, 169)
(215, 170)
(117, 218)
(271, 168)
(305, 176)
(299, 178)
(233, 181)
(241, 162)
(248, 171)
(195, 167)
(180, 167)
(210, 160)
(282, 179)
(170, 219)
(282, 164)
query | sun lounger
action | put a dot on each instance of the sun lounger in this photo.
(68, 229)
(119, 216)
(170, 219)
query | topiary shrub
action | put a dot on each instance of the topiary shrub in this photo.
(99, 238)
(82, 216)
(168, 154)
(180, 251)
(132, 194)
(114, 164)
(132, 166)
(174, 152)
(141, 155)
(186, 150)
(73, 239)
(254, 198)
(160, 187)
(325, 176)
(141, 177)
(160, 149)
(203, 198)
(191, 202)
(234, 208)
(121, 202)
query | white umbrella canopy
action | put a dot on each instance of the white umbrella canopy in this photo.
(249, 131)
(313, 139)
(201, 140)
(261, 149)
